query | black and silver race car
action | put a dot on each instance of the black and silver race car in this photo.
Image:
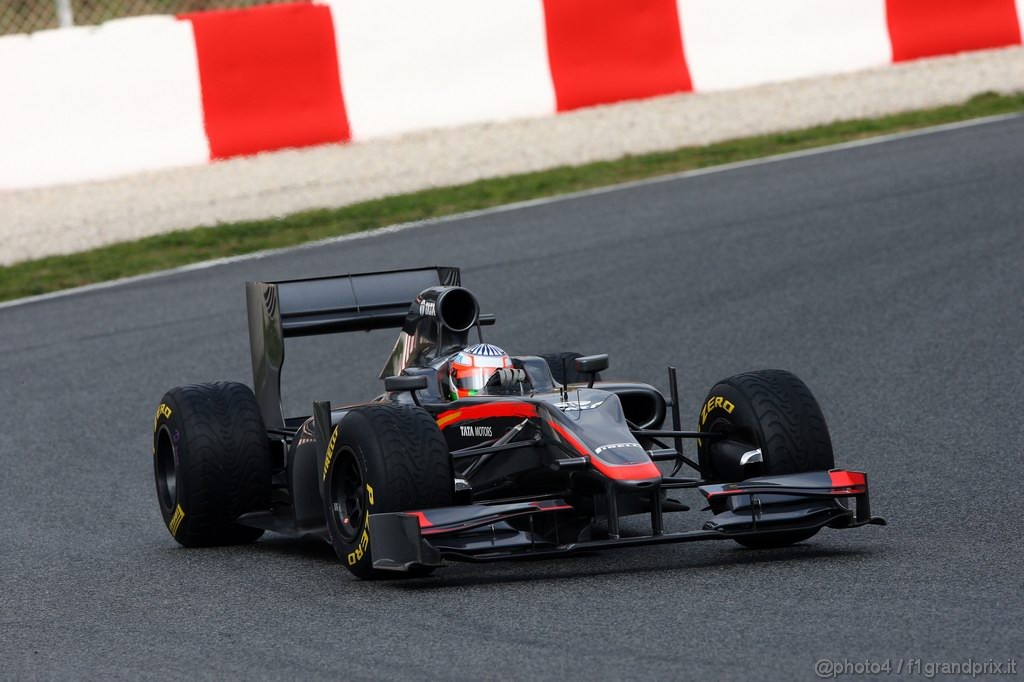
(542, 460)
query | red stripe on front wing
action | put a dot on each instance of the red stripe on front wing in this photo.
(424, 521)
(848, 479)
(433, 529)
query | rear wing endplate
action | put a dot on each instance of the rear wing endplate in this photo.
(325, 305)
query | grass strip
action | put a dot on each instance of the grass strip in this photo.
(229, 239)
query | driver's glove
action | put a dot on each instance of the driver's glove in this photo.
(507, 377)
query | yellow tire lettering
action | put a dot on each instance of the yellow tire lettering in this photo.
(360, 550)
(330, 451)
(176, 519)
(715, 402)
(369, 493)
(162, 411)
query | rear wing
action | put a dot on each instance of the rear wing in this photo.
(325, 305)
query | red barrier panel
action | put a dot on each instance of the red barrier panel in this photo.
(269, 78)
(926, 28)
(602, 52)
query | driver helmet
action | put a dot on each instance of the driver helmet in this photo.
(472, 368)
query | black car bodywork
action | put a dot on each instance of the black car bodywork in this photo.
(547, 471)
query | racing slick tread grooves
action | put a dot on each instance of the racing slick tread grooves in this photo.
(416, 459)
(788, 426)
(795, 434)
(226, 460)
(405, 459)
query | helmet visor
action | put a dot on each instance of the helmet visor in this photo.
(472, 379)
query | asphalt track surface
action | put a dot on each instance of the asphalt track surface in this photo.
(888, 276)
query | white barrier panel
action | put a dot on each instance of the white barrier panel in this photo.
(409, 64)
(89, 103)
(738, 43)
(93, 103)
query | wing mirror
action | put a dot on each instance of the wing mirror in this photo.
(401, 383)
(592, 364)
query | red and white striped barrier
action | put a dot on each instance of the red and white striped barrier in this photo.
(157, 92)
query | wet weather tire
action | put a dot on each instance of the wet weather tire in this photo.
(382, 458)
(772, 410)
(211, 460)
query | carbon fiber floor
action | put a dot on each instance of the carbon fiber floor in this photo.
(887, 276)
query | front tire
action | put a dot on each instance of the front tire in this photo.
(384, 458)
(772, 410)
(211, 460)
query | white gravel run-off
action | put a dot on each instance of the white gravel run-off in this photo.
(64, 219)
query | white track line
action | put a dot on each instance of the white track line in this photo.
(866, 142)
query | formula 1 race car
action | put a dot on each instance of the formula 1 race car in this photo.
(473, 455)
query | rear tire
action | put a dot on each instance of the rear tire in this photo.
(211, 459)
(385, 458)
(563, 368)
(772, 410)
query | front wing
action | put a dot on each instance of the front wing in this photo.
(485, 532)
